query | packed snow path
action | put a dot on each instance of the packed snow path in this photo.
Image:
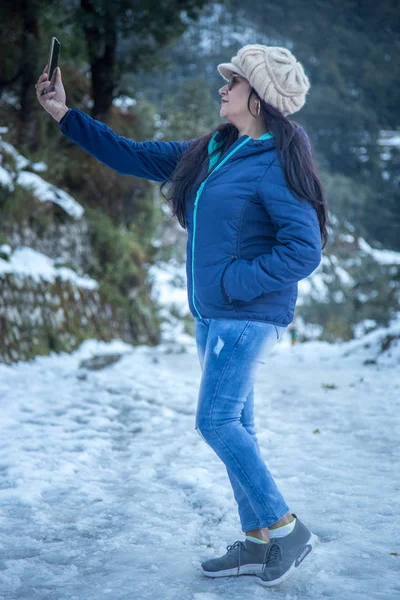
(107, 490)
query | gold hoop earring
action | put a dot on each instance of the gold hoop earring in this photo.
(258, 108)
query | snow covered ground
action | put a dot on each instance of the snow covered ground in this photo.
(107, 490)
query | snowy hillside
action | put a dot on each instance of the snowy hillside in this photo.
(317, 285)
(355, 289)
(27, 262)
(351, 273)
(16, 170)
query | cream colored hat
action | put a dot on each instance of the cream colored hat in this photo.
(274, 73)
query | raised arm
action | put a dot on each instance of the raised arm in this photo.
(150, 160)
(155, 161)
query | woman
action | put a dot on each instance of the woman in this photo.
(256, 216)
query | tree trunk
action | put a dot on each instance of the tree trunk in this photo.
(27, 127)
(101, 46)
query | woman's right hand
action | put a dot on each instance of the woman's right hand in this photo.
(53, 102)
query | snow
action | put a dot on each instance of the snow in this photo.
(41, 189)
(314, 286)
(26, 262)
(168, 281)
(20, 161)
(124, 102)
(346, 237)
(107, 490)
(5, 179)
(5, 249)
(389, 138)
(39, 167)
(46, 192)
(383, 257)
(361, 328)
(317, 287)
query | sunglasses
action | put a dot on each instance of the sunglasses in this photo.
(232, 78)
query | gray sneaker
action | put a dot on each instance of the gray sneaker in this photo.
(242, 558)
(284, 555)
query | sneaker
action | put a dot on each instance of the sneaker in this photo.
(242, 558)
(284, 555)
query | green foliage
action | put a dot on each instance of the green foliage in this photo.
(120, 254)
(80, 314)
(374, 295)
(337, 323)
(376, 292)
(189, 325)
(353, 69)
(349, 199)
(3, 237)
(121, 260)
(22, 208)
(190, 112)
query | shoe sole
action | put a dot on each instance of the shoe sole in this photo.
(313, 542)
(244, 570)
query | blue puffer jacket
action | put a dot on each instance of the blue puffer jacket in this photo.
(250, 240)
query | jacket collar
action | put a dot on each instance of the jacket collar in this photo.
(216, 140)
(266, 141)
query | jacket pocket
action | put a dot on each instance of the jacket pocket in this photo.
(225, 292)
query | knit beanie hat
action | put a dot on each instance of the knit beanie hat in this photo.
(273, 72)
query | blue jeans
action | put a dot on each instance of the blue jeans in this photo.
(231, 352)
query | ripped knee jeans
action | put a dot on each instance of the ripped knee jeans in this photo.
(231, 353)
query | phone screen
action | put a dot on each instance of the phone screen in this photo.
(54, 55)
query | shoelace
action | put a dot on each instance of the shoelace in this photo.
(240, 545)
(272, 555)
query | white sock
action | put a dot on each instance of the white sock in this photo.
(282, 531)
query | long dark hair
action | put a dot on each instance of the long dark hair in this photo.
(295, 152)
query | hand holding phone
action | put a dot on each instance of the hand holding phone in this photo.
(53, 102)
(54, 55)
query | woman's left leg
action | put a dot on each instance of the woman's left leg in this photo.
(234, 351)
(246, 513)
(247, 516)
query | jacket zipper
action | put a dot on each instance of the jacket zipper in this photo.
(199, 192)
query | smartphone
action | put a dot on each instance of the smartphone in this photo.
(54, 55)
